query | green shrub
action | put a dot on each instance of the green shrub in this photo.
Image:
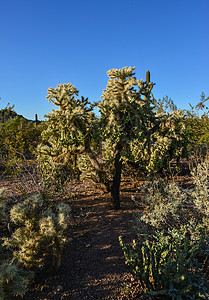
(18, 141)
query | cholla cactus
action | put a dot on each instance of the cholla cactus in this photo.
(126, 115)
(123, 110)
(68, 133)
(168, 142)
(40, 231)
(52, 227)
(76, 143)
(62, 95)
(13, 278)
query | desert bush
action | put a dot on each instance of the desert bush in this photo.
(169, 255)
(172, 206)
(18, 140)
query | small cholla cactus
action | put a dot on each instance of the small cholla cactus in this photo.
(13, 278)
(40, 231)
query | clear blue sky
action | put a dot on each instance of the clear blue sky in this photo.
(47, 42)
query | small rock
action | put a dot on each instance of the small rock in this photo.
(59, 288)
